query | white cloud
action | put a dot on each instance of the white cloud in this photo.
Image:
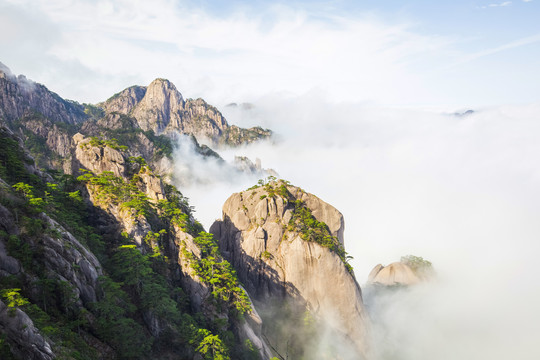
(109, 45)
(237, 56)
(508, 46)
(506, 3)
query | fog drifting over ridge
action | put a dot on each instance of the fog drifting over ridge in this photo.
(462, 192)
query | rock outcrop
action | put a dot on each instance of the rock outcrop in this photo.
(26, 342)
(267, 234)
(409, 270)
(396, 273)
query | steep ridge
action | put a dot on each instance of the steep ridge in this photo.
(160, 227)
(287, 247)
(41, 259)
(19, 96)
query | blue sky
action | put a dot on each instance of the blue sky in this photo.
(402, 53)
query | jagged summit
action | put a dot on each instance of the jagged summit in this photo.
(160, 107)
(145, 118)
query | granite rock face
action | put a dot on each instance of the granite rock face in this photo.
(396, 273)
(18, 96)
(26, 341)
(278, 266)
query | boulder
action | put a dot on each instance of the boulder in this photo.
(396, 273)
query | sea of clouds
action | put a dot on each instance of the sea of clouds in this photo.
(461, 191)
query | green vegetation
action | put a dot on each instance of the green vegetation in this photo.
(422, 268)
(136, 291)
(5, 351)
(13, 299)
(112, 143)
(311, 229)
(13, 160)
(128, 133)
(110, 189)
(93, 112)
(210, 346)
(302, 220)
(218, 274)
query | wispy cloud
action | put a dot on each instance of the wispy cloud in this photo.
(242, 54)
(511, 45)
(506, 3)
(90, 50)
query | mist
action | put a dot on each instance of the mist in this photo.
(208, 181)
(460, 191)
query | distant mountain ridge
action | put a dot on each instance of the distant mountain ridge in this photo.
(18, 96)
(158, 107)
(145, 119)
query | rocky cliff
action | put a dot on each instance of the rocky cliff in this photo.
(20, 96)
(287, 247)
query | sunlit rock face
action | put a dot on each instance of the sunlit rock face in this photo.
(394, 274)
(289, 276)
